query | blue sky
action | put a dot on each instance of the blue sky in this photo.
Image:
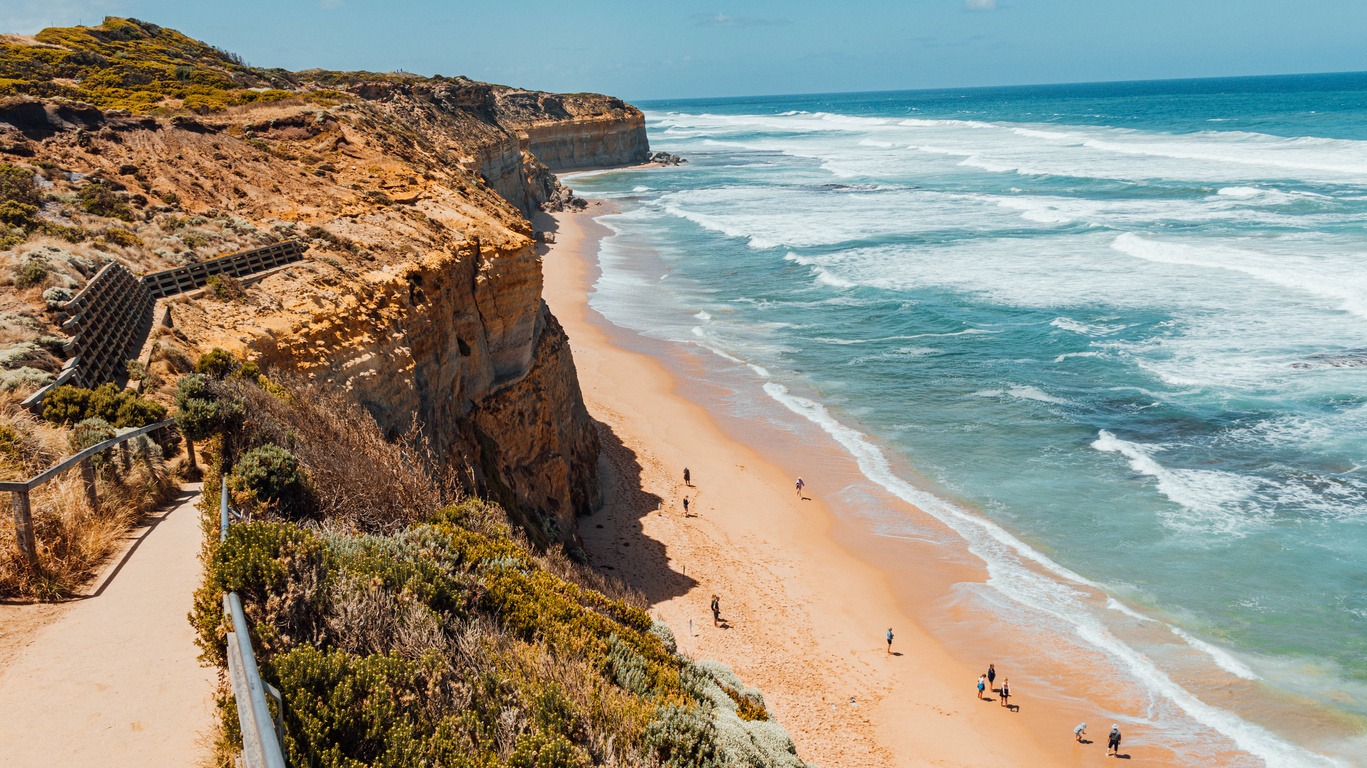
(646, 50)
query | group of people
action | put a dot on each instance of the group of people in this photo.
(989, 679)
(1112, 740)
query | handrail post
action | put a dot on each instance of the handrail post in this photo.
(23, 529)
(88, 480)
(223, 510)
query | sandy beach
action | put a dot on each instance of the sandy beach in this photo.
(804, 617)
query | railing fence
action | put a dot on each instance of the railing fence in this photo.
(23, 510)
(262, 744)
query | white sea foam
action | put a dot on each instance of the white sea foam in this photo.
(703, 315)
(1211, 501)
(1022, 392)
(906, 337)
(1086, 329)
(1071, 355)
(1346, 288)
(1224, 659)
(1036, 394)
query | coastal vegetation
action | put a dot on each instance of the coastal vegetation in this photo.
(407, 624)
(140, 67)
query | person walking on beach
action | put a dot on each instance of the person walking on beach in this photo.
(688, 480)
(1113, 742)
(685, 505)
(1006, 692)
(982, 683)
(800, 486)
(1079, 731)
(991, 676)
(889, 641)
(716, 610)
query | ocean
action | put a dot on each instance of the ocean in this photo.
(1114, 336)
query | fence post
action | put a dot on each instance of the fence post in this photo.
(223, 511)
(190, 451)
(88, 480)
(126, 454)
(23, 529)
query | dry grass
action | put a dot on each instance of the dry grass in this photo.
(73, 539)
(363, 482)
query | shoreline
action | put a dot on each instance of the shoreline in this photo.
(807, 615)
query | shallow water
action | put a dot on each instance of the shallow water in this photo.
(1122, 327)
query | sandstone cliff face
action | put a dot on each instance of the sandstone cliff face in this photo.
(422, 291)
(576, 130)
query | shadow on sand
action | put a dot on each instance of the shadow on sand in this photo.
(621, 529)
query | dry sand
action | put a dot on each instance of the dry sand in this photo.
(804, 617)
(114, 678)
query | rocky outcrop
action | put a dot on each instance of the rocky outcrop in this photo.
(566, 132)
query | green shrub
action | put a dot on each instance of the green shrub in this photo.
(280, 572)
(225, 288)
(683, 737)
(17, 185)
(377, 711)
(66, 404)
(273, 477)
(31, 272)
(99, 198)
(88, 432)
(218, 363)
(17, 214)
(121, 407)
(19, 197)
(249, 371)
(124, 407)
(118, 236)
(67, 233)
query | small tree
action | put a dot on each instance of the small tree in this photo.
(202, 413)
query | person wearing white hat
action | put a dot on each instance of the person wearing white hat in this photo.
(1078, 731)
(1113, 743)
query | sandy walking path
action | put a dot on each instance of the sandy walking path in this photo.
(115, 681)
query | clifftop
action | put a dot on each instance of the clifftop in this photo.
(421, 291)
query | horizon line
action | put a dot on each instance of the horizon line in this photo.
(1000, 86)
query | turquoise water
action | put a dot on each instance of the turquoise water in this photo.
(1122, 327)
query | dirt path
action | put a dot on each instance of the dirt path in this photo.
(114, 681)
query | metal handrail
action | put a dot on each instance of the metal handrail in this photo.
(76, 458)
(23, 512)
(261, 747)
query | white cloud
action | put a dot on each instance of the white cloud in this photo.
(724, 20)
(980, 5)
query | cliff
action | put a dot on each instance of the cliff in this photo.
(567, 131)
(421, 293)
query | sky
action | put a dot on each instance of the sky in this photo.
(642, 50)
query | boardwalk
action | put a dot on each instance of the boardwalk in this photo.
(114, 681)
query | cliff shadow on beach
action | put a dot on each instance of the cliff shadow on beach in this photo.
(614, 536)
